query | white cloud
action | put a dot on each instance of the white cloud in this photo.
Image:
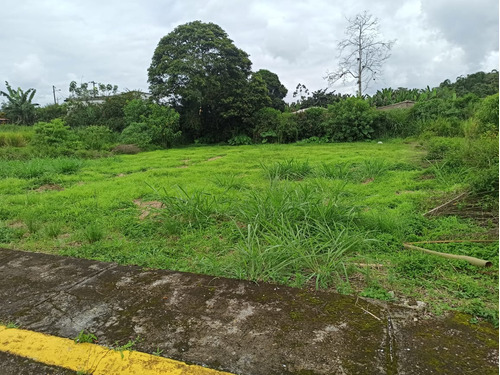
(52, 42)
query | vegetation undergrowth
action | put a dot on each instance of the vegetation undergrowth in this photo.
(304, 215)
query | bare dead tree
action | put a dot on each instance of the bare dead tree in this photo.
(361, 53)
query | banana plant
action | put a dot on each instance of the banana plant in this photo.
(19, 108)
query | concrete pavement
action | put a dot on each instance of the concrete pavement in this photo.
(231, 325)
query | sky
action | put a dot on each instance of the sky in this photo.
(46, 43)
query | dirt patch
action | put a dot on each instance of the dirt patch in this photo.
(16, 225)
(120, 175)
(50, 187)
(147, 207)
(367, 181)
(183, 166)
(427, 177)
(215, 158)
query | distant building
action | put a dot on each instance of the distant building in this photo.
(4, 120)
(405, 104)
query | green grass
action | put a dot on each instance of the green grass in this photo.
(300, 215)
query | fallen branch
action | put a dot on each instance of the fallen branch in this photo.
(445, 204)
(471, 260)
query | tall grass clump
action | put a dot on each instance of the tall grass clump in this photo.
(14, 139)
(290, 169)
(38, 167)
(193, 210)
(341, 171)
(294, 230)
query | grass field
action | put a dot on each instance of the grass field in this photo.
(322, 216)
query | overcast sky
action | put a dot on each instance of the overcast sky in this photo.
(53, 42)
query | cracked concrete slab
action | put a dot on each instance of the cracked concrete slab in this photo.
(234, 325)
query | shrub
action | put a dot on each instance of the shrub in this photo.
(137, 133)
(266, 121)
(310, 123)
(394, 123)
(81, 114)
(240, 140)
(287, 128)
(487, 115)
(52, 133)
(150, 123)
(444, 127)
(51, 112)
(350, 120)
(96, 137)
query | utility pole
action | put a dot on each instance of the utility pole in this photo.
(93, 87)
(54, 92)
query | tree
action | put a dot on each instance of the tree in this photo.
(362, 53)
(275, 88)
(199, 70)
(19, 109)
(83, 92)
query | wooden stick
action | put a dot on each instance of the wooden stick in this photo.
(445, 204)
(471, 260)
(453, 241)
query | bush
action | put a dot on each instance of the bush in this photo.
(444, 127)
(487, 115)
(287, 129)
(137, 133)
(150, 124)
(393, 123)
(350, 120)
(310, 123)
(51, 112)
(55, 138)
(266, 121)
(96, 137)
(82, 114)
(240, 140)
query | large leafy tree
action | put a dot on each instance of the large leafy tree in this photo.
(197, 69)
(19, 107)
(275, 88)
(362, 52)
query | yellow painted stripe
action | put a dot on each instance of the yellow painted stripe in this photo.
(91, 358)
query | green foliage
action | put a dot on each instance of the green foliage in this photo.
(376, 292)
(266, 121)
(310, 123)
(487, 115)
(96, 137)
(85, 337)
(275, 88)
(15, 139)
(51, 112)
(54, 133)
(481, 84)
(287, 170)
(240, 140)
(81, 114)
(137, 133)
(395, 123)
(94, 232)
(150, 124)
(37, 167)
(350, 120)
(19, 107)
(206, 78)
